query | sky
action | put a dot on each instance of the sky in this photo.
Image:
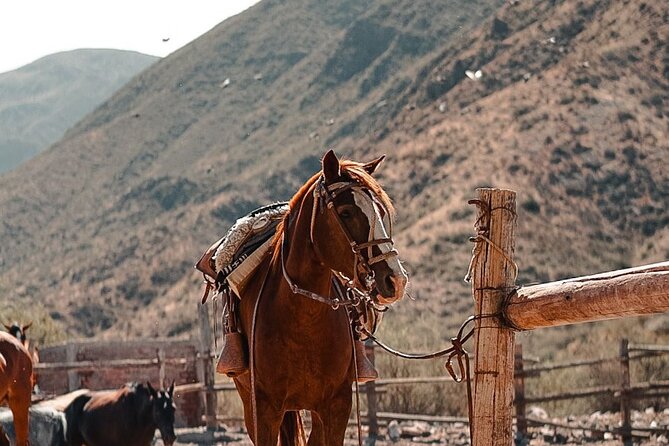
(31, 29)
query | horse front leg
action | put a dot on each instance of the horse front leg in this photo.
(267, 418)
(317, 435)
(333, 416)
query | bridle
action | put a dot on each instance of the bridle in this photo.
(357, 290)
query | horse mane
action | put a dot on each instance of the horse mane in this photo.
(356, 172)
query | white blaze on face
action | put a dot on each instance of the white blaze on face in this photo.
(378, 228)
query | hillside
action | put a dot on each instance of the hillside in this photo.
(41, 100)
(570, 110)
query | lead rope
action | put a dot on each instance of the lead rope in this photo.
(357, 386)
(456, 351)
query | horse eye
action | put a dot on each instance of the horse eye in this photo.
(346, 212)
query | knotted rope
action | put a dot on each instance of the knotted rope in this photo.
(482, 233)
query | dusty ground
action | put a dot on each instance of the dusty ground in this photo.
(594, 429)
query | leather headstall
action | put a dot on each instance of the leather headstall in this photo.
(356, 291)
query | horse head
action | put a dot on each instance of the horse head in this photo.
(162, 412)
(19, 331)
(352, 228)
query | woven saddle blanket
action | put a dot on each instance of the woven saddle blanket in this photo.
(231, 260)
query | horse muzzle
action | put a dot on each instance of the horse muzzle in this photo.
(169, 439)
(391, 288)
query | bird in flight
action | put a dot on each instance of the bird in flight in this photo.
(474, 75)
(166, 39)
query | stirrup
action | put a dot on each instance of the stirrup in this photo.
(233, 360)
(366, 370)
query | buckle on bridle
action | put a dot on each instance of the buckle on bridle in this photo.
(370, 280)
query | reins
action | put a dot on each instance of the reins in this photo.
(254, 402)
(456, 351)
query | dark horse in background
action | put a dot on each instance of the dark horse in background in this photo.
(301, 349)
(16, 384)
(128, 416)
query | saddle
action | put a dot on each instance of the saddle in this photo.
(229, 262)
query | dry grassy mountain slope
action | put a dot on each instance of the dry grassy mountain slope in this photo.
(572, 111)
(105, 225)
(41, 100)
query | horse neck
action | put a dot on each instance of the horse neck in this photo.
(143, 407)
(147, 426)
(302, 262)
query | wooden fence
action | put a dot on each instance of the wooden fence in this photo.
(502, 309)
(626, 392)
(107, 365)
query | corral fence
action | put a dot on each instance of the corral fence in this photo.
(99, 365)
(626, 392)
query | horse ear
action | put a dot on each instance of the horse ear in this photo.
(170, 391)
(25, 327)
(8, 327)
(152, 391)
(371, 166)
(331, 170)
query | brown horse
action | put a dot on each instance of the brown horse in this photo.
(300, 341)
(16, 383)
(128, 416)
(19, 332)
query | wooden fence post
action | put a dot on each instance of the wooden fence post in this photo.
(624, 393)
(519, 392)
(161, 367)
(493, 275)
(370, 387)
(207, 365)
(71, 352)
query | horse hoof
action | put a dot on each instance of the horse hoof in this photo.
(232, 361)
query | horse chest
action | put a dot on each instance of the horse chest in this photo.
(305, 356)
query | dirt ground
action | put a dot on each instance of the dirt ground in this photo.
(593, 429)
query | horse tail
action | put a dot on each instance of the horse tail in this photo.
(292, 430)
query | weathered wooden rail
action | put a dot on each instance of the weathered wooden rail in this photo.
(104, 365)
(502, 309)
(626, 392)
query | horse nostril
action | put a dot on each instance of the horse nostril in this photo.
(399, 284)
(390, 285)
